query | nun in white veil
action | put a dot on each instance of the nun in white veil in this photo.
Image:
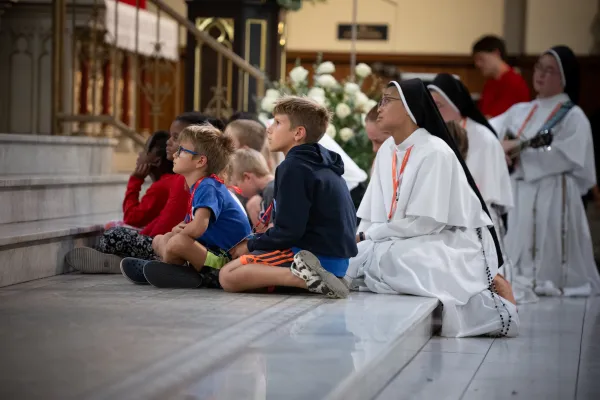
(548, 237)
(485, 158)
(425, 229)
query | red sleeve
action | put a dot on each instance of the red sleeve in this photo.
(498, 96)
(174, 210)
(139, 213)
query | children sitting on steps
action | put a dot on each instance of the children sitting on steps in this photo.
(314, 233)
(119, 241)
(215, 222)
(251, 175)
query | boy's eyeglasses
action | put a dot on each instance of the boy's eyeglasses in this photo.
(180, 149)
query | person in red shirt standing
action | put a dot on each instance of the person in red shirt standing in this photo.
(120, 242)
(504, 86)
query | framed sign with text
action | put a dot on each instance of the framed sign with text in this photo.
(364, 32)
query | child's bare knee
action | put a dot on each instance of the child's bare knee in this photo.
(156, 242)
(228, 277)
(177, 244)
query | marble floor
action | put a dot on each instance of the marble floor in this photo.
(99, 337)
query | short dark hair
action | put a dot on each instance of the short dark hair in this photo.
(489, 44)
(372, 114)
(303, 111)
(197, 118)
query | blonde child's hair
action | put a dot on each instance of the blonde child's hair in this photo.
(248, 160)
(249, 133)
(212, 143)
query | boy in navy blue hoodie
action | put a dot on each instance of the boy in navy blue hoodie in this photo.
(315, 223)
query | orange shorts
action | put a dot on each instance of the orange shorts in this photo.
(277, 258)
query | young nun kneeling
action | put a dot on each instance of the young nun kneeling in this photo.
(425, 229)
(548, 237)
(485, 158)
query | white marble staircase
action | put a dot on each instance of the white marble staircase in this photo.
(56, 192)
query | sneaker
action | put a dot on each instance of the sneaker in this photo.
(90, 261)
(133, 269)
(318, 280)
(163, 275)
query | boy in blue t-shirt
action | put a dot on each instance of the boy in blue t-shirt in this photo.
(313, 236)
(215, 221)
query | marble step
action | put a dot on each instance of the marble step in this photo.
(300, 348)
(32, 198)
(116, 340)
(55, 155)
(34, 250)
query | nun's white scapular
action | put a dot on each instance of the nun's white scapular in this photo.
(353, 175)
(548, 236)
(485, 158)
(438, 242)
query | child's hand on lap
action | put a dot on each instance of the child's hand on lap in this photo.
(239, 250)
(178, 228)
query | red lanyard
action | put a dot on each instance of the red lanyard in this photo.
(532, 112)
(190, 214)
(265, 219)
(397, 179)
(235, 189)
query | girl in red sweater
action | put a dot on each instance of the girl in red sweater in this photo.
(119, 242)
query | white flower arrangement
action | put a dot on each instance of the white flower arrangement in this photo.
(346, 99)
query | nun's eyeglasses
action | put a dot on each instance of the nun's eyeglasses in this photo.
(386, 99)
(545, 70)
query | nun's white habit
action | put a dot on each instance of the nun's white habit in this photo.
(439, 241)
(548, 237)
(485, 158)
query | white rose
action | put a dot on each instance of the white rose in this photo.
(268, 104)
(360, 101)
(264, 118)
(370, 104)
(298, 74)
(363, 119)
(342, 110)
(327, 81)
(331, 132)
(319, 100)
(362, 70)
(326, 67)
(346, 134)
(351, 88)
(316, 92)
(273, 93)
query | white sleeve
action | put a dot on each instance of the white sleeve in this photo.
(568, 152)
(404, 228)
(353, 175)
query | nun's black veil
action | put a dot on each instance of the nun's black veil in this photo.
(426, 115)
(569, 70)
(459, 95)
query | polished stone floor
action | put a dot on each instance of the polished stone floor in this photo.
(99, 337)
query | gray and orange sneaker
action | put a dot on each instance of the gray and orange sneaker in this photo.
(307, 267)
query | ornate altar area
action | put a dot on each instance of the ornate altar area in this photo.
(255, 30)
